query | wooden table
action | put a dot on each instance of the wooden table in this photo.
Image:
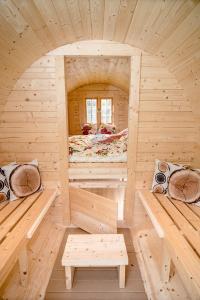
(94, 250)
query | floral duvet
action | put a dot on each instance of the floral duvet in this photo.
(98, 148)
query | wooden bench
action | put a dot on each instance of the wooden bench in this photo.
(19, 220)
(178, 226)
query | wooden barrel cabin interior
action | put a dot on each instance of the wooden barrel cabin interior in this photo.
(100, 149)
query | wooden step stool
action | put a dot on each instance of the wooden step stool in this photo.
(94, 250)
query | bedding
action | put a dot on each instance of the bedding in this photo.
(107, 129)
(89, 128)
(98, 148)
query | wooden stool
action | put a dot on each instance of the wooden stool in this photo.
(94, 250)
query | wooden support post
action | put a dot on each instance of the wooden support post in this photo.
(121, 271)
(23, 266)
(132, 137)
(61, 93)
(69, 275)
(166, 264)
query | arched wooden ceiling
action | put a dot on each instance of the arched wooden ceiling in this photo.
(88, 70)
(169, 29)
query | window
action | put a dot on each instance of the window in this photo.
(106, 110)
(91, 110)
(99, 111)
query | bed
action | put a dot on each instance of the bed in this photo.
(98, 148)
(98, 157)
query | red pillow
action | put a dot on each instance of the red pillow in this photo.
(107, 129)
(86, 128)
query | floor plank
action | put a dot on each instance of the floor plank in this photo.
(97, 296)
(97, 283)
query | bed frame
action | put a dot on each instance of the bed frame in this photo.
(93, 175)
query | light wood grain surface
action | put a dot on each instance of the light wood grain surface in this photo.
(97, 283)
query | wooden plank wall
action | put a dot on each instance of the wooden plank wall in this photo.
(92, 69)
(28, 124)
(77, 109)
(30, 28)
(167, 128)
(29, 120)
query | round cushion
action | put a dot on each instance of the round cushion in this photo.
(3, 197)
(184, 185)
(25, 180)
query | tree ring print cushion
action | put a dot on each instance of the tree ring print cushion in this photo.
(184, 185)
(4, 187)
(163, 166)
(23, 179)
(163, 171)
(158, 188)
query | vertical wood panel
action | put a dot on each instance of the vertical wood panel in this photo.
(135, 65)
(63, 135)
(28, 125)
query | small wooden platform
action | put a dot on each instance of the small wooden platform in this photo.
(92, 250)
(94, 282)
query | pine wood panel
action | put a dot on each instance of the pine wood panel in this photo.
(97, 283)
(29, 120)
(62, 112)
(90, 70)
(177, 225)
(150, 253)
(133, 120)
(42, 252)
(20, 225)
(93, 213)
(29, 29)
(166, 127)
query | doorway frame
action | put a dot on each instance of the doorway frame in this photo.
(98, 48)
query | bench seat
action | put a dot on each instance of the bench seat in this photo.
(178, 225)
(19, 220)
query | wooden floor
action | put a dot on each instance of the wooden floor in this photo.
(97, 283)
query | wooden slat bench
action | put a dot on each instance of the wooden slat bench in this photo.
(18, 221)
(178, 225)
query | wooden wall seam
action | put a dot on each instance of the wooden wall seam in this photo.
(61, 93)
(133, 113)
